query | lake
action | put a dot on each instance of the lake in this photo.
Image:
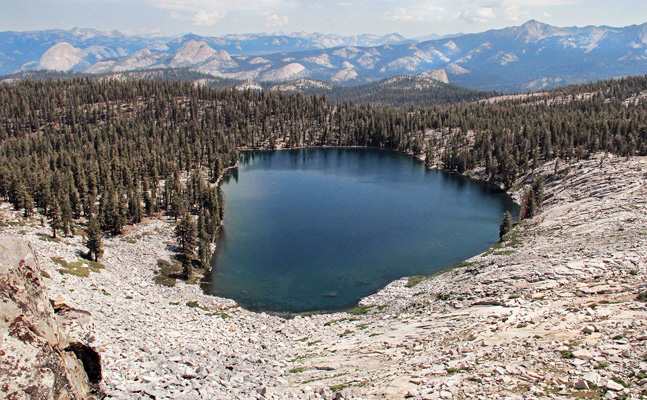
(318, 229)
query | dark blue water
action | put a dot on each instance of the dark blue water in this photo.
(318, 229)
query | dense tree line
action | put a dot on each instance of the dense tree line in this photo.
(399, 92)
(118, 150)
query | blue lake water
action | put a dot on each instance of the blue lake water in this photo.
(318, 229)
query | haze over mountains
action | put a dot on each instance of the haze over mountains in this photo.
(528, 57)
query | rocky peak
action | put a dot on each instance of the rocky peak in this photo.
(61, 57)
(192, 52)
(437, 75)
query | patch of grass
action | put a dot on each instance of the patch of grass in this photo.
(212, 313)
(567, 354)
(105, 293)
(414, 280)
(129, 297)
(346, 333)
(514, 296)
(168, 273)
(219, 314)
(618, 337)
(296, 370)
(511, 239)
(521, 325)
(601, 366)
(303, 339)
(634, 272)
(174, 303)
(382, 307)
(45, 274)
(337, 388)
(418, 294)
(16, 223)
(642, 296)
(362, 326)
(504, 252)
(620, 381)
(313, 342)
(359, 310)
(80, 268)
(451, 371)
(334, 321)
(442, 296)
(462, 264)
(373, 334)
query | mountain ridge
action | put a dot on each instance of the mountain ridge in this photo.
(532, 56)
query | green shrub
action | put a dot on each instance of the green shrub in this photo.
(414, 280)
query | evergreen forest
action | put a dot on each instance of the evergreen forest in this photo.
(110, 151)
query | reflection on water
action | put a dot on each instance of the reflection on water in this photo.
(317, 229)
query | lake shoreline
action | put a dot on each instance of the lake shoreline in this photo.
(538, 316)
(430, 220)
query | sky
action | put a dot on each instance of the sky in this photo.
(410, 18)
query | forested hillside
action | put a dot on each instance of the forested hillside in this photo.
(397, 92)
(105, 148)
(400, 91)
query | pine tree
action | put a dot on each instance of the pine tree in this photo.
(54, 216)
(204, 249)
(135, 207)
(185, 232)
(178, 206)
(66, 214)
(29, 205)
(506, 225)
(94, 239)
(528, 204)
(538, 190)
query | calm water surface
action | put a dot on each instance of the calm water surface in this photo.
(318, 229)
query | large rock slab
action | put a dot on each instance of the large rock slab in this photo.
(34, 363)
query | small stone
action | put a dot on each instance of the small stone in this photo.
(588, 329)
(582, 354)
(189, 373)
(593, 378)
(581, 385)
(613, 385)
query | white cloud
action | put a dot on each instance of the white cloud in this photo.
(424, 13)
(513, 13)
(210, 6)
(207, 18)
(542, 3)
(275, 20)
(479, 15)
(402, 14)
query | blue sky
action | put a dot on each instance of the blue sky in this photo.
(411, 18)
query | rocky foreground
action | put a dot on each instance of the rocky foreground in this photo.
(556, 311)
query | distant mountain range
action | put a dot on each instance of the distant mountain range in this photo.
(532, 56)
